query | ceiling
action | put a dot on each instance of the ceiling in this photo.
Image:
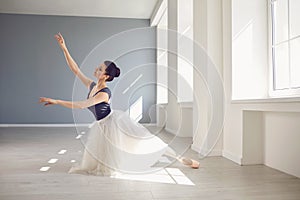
(139, 9)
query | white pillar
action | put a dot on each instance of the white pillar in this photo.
(207, 22)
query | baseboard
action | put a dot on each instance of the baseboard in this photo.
(214, 152)
(232, 157)
(169, 130)
(252, 162)
(44, 125)
(59, 125)
(176, 133)
(149, 124)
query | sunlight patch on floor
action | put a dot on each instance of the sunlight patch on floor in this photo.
(167, 175)
(44, 169)
(63, 151)
(53, 160)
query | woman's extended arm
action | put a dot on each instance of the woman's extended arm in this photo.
(70, 61)
(98, 98)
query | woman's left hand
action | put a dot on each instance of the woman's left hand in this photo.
(48, 101)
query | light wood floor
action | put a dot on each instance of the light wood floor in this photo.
(24, 151)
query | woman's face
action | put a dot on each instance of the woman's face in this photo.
(100, 72)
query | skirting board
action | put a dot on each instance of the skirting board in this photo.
(57, 125)
(174, 132)
(214, 152)
(169, 130)
(232, 157)
(149, 124)
(44, 125)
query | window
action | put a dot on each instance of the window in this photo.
(285, 49)
(185, 51)
(162, 58)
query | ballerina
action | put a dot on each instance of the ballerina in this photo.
(115, 141)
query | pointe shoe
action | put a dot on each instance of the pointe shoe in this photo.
(190, 162)
(195, 164)
(76, 170)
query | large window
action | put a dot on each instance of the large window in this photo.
(162, 58)
(185, 51)
(285, 34)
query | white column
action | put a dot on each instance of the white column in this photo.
(207, 21)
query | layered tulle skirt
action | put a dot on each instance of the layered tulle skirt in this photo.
(117, 143)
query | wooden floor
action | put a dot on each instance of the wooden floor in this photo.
(24, 151)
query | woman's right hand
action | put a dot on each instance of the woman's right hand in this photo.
(48, 101)
(61, 41)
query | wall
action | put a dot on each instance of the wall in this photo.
(32, 65)
(208, 63)
(281, 146)
(172, 115)
(248, 140)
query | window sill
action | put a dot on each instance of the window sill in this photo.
(267, 100)
(186, 104)
(181, 104)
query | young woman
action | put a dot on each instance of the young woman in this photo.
(115, 141)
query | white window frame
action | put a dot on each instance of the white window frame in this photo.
(162, 90)
(277, 93)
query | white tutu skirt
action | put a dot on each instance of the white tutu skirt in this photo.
(117, 143)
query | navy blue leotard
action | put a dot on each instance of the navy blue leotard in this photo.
(102, 109)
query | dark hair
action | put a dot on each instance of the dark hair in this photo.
(112, 70)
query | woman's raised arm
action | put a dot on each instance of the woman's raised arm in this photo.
(71, 63)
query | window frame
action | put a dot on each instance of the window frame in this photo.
(278, 93)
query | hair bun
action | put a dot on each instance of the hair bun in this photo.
(112, 70)
(117, 72)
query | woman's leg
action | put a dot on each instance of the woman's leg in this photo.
(186, 161)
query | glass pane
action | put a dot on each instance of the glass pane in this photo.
(185, 16)
(185, 81)
(281, 70)
(162, 60)
(185, 51)
(294, 17)
(162, 80)
(162, 33)
(281, 20)
(295, 62)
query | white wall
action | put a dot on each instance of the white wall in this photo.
(278, 118)
(282, 139)
(252, 139)
(207, 34)
(201, 95)
(215, 53)
(262, 131)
